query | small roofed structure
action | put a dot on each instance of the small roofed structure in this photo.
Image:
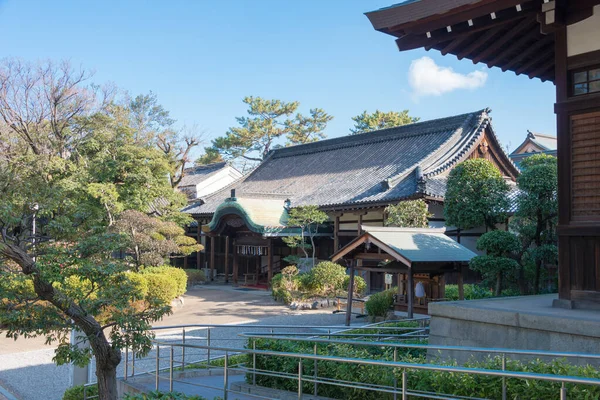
(534, 143)
(413, 255)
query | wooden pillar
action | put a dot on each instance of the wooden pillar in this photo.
(350, 287)
(270, 262)
(199, 241)
(235, 263)
(461, 289)
(257, 268)
(359, 227)
(212, 258)
(410, 289)
(185, 262)
(336, 234)
(226, 259)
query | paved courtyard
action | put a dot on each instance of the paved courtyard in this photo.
(27, 371)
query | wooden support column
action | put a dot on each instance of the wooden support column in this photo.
(359, 227)
(336, 234)
(270, 262)
(226, 259)
(461, 289)
(257, 268)
(199, 241)
(235, 263)
(350, 287)
(212, 258)
(410, 289)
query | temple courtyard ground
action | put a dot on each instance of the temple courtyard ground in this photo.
(27, 371)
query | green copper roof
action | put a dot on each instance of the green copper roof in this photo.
(264, 216)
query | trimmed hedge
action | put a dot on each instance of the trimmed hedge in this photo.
(177, 274)
(452, 384)
(472, 292)
(195, 276)
(76, 392)
(380, 303)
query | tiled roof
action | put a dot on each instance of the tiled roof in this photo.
(421, 244)
(198, 174)
(374, 167)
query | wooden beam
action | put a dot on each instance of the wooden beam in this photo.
(226, 259)
(198, 241)
(526, 53)
(520, 27)
(535, 59)
(542, 68)
(480, 41)
(450, 47)
(372, 256)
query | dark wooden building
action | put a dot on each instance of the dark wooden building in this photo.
(553, 40)
(352, 179)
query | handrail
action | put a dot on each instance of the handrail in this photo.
(400, 364)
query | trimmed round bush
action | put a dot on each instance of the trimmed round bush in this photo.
(139, 283)
(77, 392)
(161, 287)
(360, 286)
(326, 278)
(195, 276)
(380, 303)
(177, 274)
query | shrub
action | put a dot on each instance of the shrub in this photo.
(442, 383)
(177, 274)
(360, 286)
(195, 276)
(161, 287)
(76, 392)
(326, 278)
(472, 292)
(157, 395)
(140, 284)
(380, 303)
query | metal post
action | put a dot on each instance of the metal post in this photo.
(328, 334)
(395, 378)
(183, 351)
(254, 362)
(300, 379)
(208, 348)
(315, 373)
(157, 364)
(563, 392)
(404, 394)
(171, 370)
(132, 362)
(225, 377)
(126, 362)
(504, 377)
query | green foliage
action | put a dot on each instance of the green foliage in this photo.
(158, 395)
(476, 195)
(308, 219)
(379, 304)
(327, 279)
(360, 286)
(77, 392)
(471, 292)
(268, 121)
(441, 383)
(498, 243)
(210, 156)
(177, 274)
(366, 122)
(408, 214)
(195, 276)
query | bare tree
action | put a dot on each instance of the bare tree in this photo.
(177, 146)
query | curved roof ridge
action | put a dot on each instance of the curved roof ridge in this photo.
(393, 133)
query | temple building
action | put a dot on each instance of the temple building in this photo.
(352, 178)
(534, 143)
(203, 180)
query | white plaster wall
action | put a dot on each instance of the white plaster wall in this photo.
(584, 36)
(217, 181)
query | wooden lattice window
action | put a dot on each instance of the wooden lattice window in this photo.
(585, 164)
(585, 81)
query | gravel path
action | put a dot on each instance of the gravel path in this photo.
(31, 375)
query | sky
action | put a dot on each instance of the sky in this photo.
(201, 58)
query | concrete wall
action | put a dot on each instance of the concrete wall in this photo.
(526, 323)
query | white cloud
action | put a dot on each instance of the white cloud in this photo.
(426, 78)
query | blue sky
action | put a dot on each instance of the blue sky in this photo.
(201, 58)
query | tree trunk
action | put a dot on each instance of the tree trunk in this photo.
(107, 381)
(498, 284)
(536, 282)
(521, 281)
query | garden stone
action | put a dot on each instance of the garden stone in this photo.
(315, 305)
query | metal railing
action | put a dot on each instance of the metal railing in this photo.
(379, 336)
